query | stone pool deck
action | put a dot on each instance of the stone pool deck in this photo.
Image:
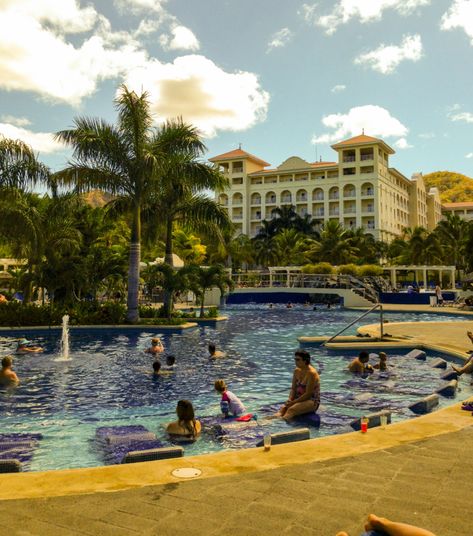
(418, 471)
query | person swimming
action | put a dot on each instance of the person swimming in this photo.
(186, 426)
(7, 375)
(214, 353)
(23, 347)
(156, 346)
(360, 365)
(382, 366)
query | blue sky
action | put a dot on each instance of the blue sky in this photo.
(281, 77)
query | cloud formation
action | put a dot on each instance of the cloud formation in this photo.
(402, 143)
(465, 117)
(338, 88)
(279, 39)
(181, 39)
(459, 15)
(375, 120)
(364, 10)
(386, 58)
(202, 93)
(469, 155)
(40, 141)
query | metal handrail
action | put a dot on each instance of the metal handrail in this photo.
(381, 322)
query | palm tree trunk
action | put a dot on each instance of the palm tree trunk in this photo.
(168, 295)
(202, 303)
(132, 314)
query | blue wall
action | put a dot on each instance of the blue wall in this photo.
(416, 298)
(281, 297)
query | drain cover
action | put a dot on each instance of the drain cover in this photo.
(186, 472)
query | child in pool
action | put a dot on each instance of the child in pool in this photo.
(230, 404)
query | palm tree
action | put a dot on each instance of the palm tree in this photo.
(452, 234)
(125, 160)
(203, 279)
(19, 166)
(336, 245)
(294, 246)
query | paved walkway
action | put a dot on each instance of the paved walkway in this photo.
(428, 483)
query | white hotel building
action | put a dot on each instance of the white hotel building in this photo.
(358, 190)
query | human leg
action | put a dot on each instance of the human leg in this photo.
(300, 408)
(393, 528)
(466, 369)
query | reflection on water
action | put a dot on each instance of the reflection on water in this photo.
(109, 379)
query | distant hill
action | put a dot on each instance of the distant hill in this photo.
(97, 198)
(452, 187)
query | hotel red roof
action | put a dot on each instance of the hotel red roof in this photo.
(238, 153)
(361, 140)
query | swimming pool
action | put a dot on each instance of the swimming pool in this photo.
(108, 380)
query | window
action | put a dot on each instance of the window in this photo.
(367, 169)
(349, 171)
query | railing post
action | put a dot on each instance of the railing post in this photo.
(381, 322)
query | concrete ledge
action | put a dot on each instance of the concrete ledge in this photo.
(124, 327)
(210, 321)
(374, 419)
(301, 434)
(10, 466)
(126, 476)
(165, 453)
(448, 390)
(425, 405)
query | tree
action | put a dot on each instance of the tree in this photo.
(336, 245)
(19, 166)
(203, 279)
(126, 160)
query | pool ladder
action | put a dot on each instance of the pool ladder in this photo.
(381, 323)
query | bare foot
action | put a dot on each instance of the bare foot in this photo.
(394, 529)
(470, 335)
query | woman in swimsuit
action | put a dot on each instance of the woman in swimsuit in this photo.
(186, 426)
(305, 391)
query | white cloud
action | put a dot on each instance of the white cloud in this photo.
(141, 6)
(386, 58)
(402, 143)
(374, 120)
(364, 10)
(182, 39)
(202, 93)
(17, 121)
(459, 15)
(465, 117)
(33, 57)
(40, 141)
(279, 39)
(338, 88)
(469, 155)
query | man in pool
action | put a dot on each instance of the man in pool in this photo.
(305, 390)
(7, 375)
(214, 353)
(360, 365)
(156, 346)
(23, 347)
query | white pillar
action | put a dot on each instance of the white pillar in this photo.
(425, 279)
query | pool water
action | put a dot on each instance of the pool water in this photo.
(108, 380)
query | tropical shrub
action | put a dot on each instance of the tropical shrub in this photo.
(319, 268)
(370, 270)
(348, 269)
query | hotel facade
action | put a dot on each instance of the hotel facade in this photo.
(360, 189)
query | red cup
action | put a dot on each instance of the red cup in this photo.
(364, 427)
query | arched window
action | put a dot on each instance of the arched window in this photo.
(349, 190)
(223, 199)
(318, 194)
(255, 199)
(237, 199)
(301, 196)
(367, 189)
(333, 193)
(286, 197)
(270, 198)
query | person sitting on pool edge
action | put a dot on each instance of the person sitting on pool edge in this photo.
(384, 527)
(360, 365)
(230, 404)
(214, 353)
(186, 426)
(156, 346)
(23, 347)
(305, 390)
(468, 366)
(382, 366)
(7, 375)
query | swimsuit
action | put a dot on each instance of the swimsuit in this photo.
(301, 389)
(236, 407)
